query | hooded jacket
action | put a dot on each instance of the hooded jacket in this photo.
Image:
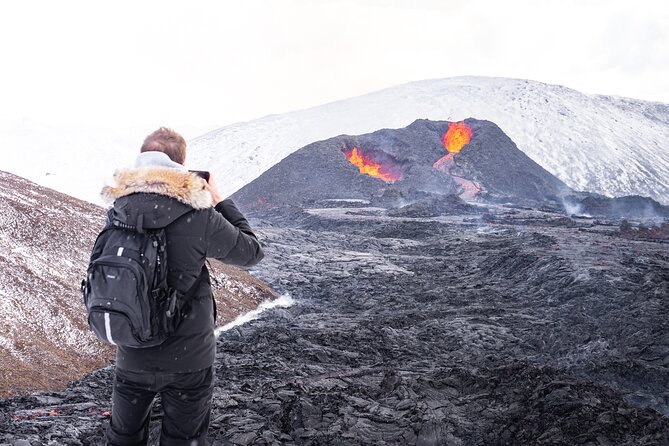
(178, 201)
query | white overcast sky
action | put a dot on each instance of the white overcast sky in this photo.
(211, 63)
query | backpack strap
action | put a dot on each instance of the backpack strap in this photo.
(188, 295)
(140, 224)
(191, 291)
(215, 280)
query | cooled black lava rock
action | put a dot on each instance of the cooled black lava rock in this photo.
(434, 206)
(632, 206)
(511, 329)
(321, 171)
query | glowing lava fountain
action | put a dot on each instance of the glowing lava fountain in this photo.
(456, 137)
(377, 164)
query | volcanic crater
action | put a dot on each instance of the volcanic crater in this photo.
(409, 159)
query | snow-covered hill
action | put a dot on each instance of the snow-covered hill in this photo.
(45, 242)
(611, 145)
(605, 144)
(72, 160)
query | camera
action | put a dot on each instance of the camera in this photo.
(202, 174)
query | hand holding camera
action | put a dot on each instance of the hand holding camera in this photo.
(210, 185)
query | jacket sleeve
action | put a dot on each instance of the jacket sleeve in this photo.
(229, 236)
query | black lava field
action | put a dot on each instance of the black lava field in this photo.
(422, 319)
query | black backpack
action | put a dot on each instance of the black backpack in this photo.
(125, 291)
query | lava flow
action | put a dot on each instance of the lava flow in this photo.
(456, 137)
(376, 164)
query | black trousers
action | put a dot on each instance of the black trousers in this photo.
(186, 400)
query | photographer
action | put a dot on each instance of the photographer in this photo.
(159, 192)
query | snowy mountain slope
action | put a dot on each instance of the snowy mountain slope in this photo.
(615, 146)
(45, 242)
(43, 335)
(73, 160)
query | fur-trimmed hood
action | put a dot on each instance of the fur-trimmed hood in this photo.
(186, 187)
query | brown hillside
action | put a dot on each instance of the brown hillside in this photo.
(45, 241)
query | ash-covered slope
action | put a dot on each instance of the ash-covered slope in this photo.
(45, 242)
(405, 160)
(610, 145)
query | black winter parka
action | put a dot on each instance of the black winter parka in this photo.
(194, 230)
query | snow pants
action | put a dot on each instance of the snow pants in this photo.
(186, 400)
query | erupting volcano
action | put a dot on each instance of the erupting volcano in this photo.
(476, 157)
(456, 137)
(376, 164)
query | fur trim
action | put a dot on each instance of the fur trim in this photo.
(186, 187)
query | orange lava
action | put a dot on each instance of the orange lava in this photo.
(457, 136)
(469, 188)
(369, 166)
(445, 163)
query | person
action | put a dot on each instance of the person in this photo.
(199, 224)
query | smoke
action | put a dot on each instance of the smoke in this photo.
(572, 207)
(284, 301)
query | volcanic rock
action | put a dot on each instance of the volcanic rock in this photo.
(441, 331)
(427, 331)
(633, 206)
(642, 232)
(434, 206)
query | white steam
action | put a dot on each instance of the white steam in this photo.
(284, 301)
(573, 208)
